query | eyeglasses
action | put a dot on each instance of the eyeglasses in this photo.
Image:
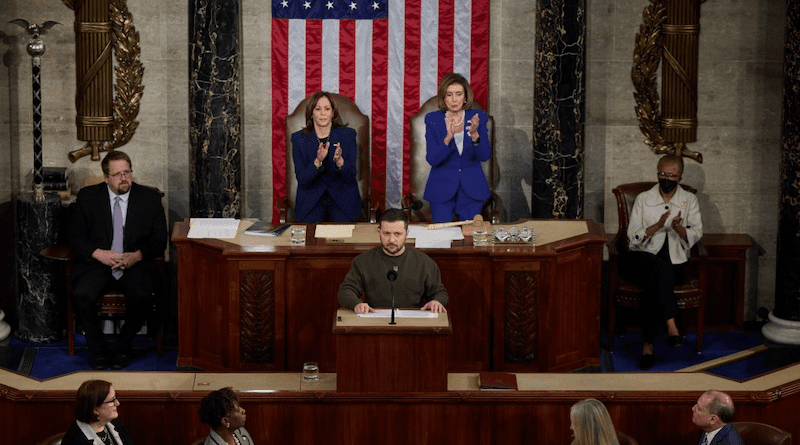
(122, 174)
(667, 175)
(113, 401)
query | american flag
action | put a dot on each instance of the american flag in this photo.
(386, 55)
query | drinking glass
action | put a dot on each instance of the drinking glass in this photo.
(298, 234)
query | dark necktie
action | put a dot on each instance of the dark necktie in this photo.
(116, 243)
(704, 441)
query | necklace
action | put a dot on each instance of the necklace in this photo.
(463, 113)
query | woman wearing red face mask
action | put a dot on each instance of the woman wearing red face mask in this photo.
(664, 225)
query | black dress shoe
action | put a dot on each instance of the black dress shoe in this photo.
(120, 360)
(674, 341)
(646, 361)
(98, 361)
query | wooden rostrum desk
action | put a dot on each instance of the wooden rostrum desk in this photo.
(259, 304)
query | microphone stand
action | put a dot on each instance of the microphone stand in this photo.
(391, 276)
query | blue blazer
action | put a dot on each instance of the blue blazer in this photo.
(312, 182)
(727, 436)
(448, 168)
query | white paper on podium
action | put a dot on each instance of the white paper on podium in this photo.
(438, 238)
(224, 228)
(400, 313)
(334, 231)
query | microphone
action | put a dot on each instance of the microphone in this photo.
(391, 275)
(416, 205)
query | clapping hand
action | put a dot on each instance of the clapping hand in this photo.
(337, 155)
(322, 152)
(473, 128)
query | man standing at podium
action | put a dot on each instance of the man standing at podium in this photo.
(393, 267)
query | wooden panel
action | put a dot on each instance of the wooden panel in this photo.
(391, 362)
(155, 417)
(312, 289)
(227, 294)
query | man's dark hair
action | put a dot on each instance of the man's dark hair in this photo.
(91, 394)
(115, 155)
(216, 405)
(394, 215)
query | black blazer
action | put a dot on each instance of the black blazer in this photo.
(74, 435)
(91, 226)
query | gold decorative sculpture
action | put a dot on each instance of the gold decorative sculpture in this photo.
(670, 31)
(104, 122)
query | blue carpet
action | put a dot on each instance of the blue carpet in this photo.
(628, 348)
(44, 361)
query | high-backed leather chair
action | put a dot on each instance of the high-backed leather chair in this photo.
(622, 293)
(110, 305)
(625, 439)
(55, 439)
(353, 118)
(420, 169)
(754, 433)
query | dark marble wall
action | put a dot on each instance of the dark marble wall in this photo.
(215, 115)
(787, 282)
(40, 309)
(559, 104)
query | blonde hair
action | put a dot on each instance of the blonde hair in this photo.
(591, 424)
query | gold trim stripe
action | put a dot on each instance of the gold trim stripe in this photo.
(93, 27)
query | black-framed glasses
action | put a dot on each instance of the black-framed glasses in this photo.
(123, 174)
(667, 176)
(112, 402)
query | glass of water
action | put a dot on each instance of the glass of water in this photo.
(310, 372)
(298, 234)
(480, 237)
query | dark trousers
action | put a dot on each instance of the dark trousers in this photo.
(326, 210)
(656, 275)
(137, 284)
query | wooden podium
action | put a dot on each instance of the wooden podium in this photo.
(373, 356)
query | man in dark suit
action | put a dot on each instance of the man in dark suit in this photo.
(117, 229)
(713, 413)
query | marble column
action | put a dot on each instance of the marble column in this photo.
(784, 321)
(559, 104)
(215, 113)
(40, 311)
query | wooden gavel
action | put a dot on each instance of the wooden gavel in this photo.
(477, 220)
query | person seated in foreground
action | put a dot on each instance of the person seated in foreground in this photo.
(325, 157)
(713, 413)
(96, 417)
(221, 411)
(418, 280)
(591, 424)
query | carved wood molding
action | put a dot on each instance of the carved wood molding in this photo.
(257, 316)
(520, 319)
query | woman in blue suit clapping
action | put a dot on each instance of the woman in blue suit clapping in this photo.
(325, 156)
(457, 142)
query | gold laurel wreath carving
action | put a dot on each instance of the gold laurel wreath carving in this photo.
(647, 56)
(646, 59)
(129, 73)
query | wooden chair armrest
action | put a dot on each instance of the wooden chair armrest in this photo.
(59, 252)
